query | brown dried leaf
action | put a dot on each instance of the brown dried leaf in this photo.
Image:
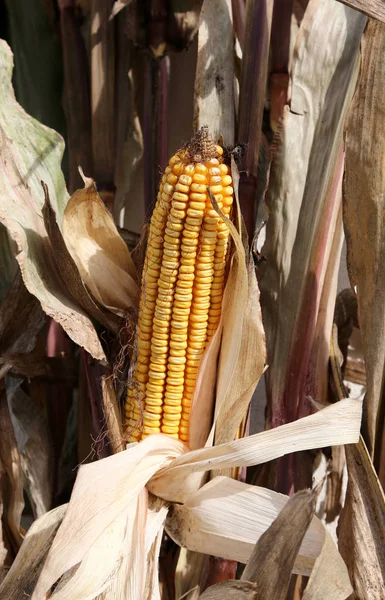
(25, 571)
(11, 486)
(21, 318)
(35, 447)
(69, 272)
(364, 213)
(31, 153)
(99, 252)
(232, 590)
(214, 80)
(361, 529)
(112, 415)
(272, 560)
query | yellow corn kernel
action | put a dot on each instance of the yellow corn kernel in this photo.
(182, 287)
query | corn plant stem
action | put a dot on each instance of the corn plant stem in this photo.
(280, 52)
(77, 103)
(239, 19)
(252, 98)
(103, 98)
(94, 372)
(154, 126)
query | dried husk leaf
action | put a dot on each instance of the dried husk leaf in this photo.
(361, 529)
(112, 415)
(28, 564)
(334, 425)
(99, 252)
(104, 493)
(214, 79)
(226, 517)
(302, 209)
(364, 210)
(31, 153)
(68, 269)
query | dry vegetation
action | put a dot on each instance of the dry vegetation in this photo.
(268, 495)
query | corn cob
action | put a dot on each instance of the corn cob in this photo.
(182, 288)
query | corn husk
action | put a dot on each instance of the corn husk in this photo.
(104, 501)
(25, 571)
(99, 252)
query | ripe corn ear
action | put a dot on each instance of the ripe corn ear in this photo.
(182, 288)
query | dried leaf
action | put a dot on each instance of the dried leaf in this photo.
(214, 79)
(118, 5)
(99, 252)
(21, 318)
(336, 585)
(335, 425)
(363, 220)
(361, 529)
(31, 153)
(303, 201)
(35, 447)
(112, 415)
(26, 569)
(69, 271)
(11, 482)
(232, 590)
(272, 560)
(372, 8)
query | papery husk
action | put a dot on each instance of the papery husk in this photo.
(26, 568)
(239, 343)
(243, 349)
(226, 517)
(99, 252)
(103, 503)
(106, 492)
(364, 211)
(31, 153)
(339, 422)
(214, 78)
